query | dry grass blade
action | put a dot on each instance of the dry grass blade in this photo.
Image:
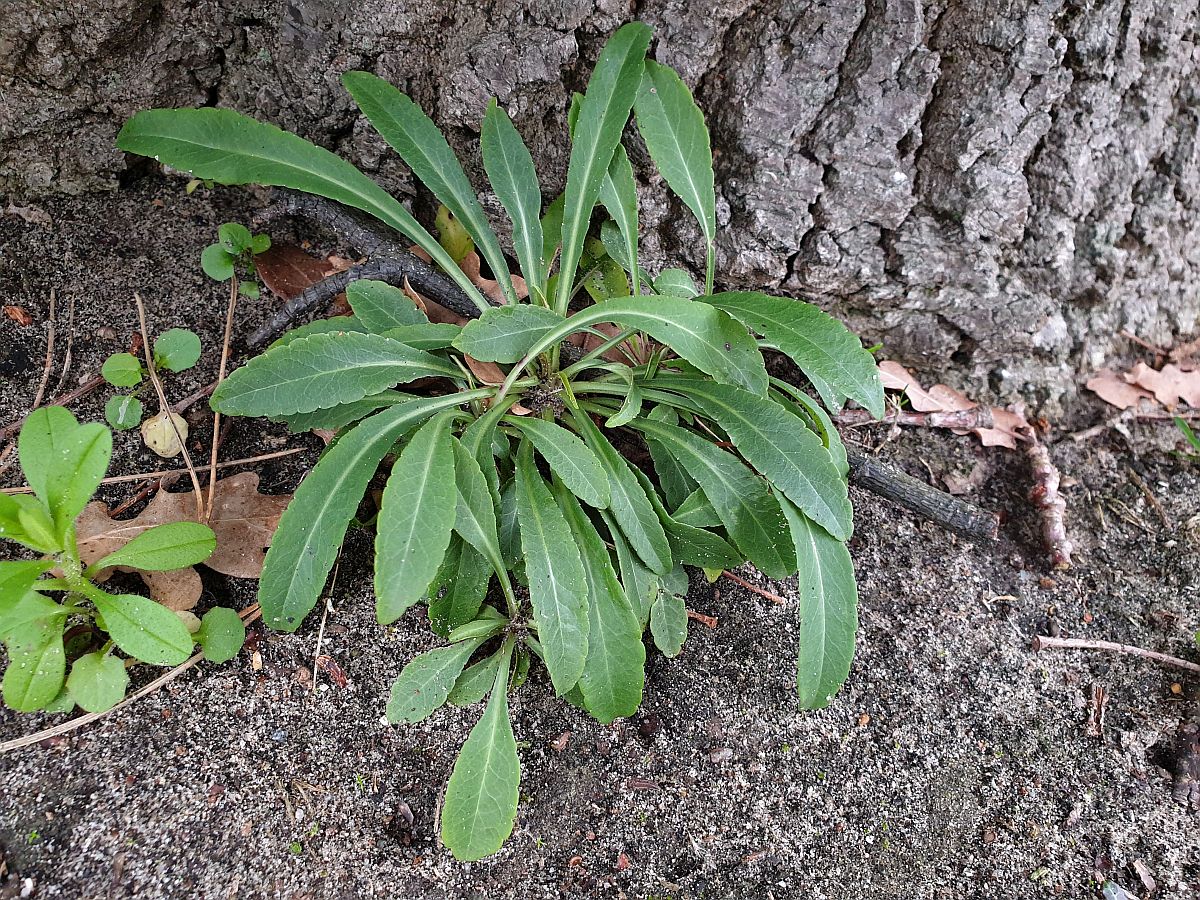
(142, 476)
(216, 429)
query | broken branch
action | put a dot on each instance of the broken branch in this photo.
(1043, 642)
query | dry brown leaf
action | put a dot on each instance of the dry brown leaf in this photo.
(1115, 390)
(486, 372)
(287, 270)
(1169, 385)
(243, 520)
(1010, 425)
(489, 286)
(18, 314)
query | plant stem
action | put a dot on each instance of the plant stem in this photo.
(599, 351)
(710, 264)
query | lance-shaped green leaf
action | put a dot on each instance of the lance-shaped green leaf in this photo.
(18, 611)
(668, 623)
(25, 519)
(475, 681)
(17, 577)
(676, 283)
(697, 510)
(674, 479)
(427, 680)
(618, 193)
(311, 528)
(343, 414)
(97, 681)
(510, 169)
(673, 128)
(415, 520)
(569, 458)
(628, 502)
(323, 371)
(614, 671)
(602, 117)
(639, 583)
(826, 351)
(557, 586)
(174, 545)
(828, 610)
(63, 461)
(380, 306)
(426, 335)
(778, 445)
(815, 417)
(229, 148)
(710, 340)
(689, 545)
(37, 664)
(475, 515)
(510, 527)
(481, 797)
(142, 628)
(422, 146)
(504, 334)
(631, 406)
(332, 325)
(461, 585)
(747, 508)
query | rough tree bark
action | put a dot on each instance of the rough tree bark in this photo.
(1004, 185)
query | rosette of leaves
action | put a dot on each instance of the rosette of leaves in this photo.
(549, 517)
(67, 651)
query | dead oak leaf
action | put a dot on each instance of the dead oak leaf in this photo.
(243, 520)
(1115, 390)
(1170, 384)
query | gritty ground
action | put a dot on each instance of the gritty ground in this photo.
(955, 763)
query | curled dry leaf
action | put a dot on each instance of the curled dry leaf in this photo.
(162, 437)
(490, 287)
(243, 520)
(1009, 425)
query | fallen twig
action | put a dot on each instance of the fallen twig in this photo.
(710, 621)
(1044, 642)
(49, 364)
(950, 512)
(248, 615)
(774, 598)
(141, 476)
(1045, 496)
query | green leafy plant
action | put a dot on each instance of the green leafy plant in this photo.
(548, 517)
(175, 350)
(232, 257)
(82, 631)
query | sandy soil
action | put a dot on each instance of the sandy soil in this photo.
(956, 762)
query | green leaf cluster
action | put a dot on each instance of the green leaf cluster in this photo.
(550, 517)
(175, 350)
(43, 598)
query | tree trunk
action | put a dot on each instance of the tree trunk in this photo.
(1001, 185)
